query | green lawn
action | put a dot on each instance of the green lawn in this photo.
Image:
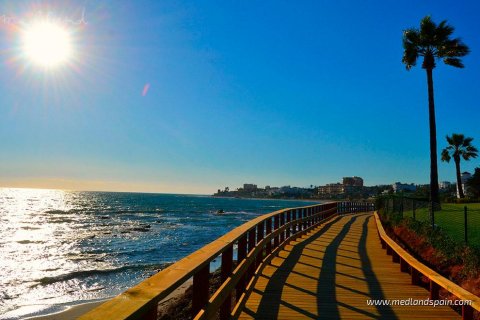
(451, 219)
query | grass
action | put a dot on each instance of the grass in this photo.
(451, 219)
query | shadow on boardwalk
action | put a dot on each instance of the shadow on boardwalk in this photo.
(329, 243)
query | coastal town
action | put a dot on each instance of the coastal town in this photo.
(350, 188)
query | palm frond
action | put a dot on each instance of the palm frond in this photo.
(452, 48)
(445, 156)
(457, 139)
(411, 35)
(472, 149)
(468, 155)
(410, 45)
(443, 32)
(454, 62)
(449, 140)
(467, 142)
(427, 31)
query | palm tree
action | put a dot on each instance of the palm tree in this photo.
(432, 42)
(459, 147)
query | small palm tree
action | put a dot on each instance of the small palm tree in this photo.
(432, 42)
(459, 147)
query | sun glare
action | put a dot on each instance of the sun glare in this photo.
(47, 44)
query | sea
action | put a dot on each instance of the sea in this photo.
(61, 248)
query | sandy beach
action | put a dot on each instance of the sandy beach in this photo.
(72, 312)
(76, 311)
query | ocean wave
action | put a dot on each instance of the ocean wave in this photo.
(87, 273)
(30, 241)
(62, 220)
(30, 228)
(57, 212)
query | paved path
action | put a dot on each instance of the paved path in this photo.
(331, 272)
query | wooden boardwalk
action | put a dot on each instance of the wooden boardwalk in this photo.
(330, 273)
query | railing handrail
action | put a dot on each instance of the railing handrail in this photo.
(433, 276)
(141, 300)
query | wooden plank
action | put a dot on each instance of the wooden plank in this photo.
(302, 281)
(455, 289)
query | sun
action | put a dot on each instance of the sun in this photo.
(47, 44)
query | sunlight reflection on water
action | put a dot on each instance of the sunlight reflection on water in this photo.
(60, 247)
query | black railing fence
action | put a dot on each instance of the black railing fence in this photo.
(460, 221)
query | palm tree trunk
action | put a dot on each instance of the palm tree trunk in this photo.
(459, 179)
(433, 141)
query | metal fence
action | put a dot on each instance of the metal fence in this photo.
(460, 221)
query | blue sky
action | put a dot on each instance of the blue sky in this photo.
(266, 92)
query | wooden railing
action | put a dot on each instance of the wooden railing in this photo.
(417, 269)
(256, 242)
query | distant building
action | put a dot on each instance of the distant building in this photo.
(464, 177)
(272, 191)
(443, 185)
(249, 187)
(399, 187)
(353, 181)
(331, 189)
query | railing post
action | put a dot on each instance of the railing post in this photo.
(304, 216)
(282, 223)
(200, 289)
(268, 247)
(467, 312)
(289, 218)
(389, 250)
(401, 205)
(152, 314)
(309, 217)
(434, 288)
(227, 266)
(413, 206)
(260, 231)
(251, 246)
(241, 255)
(276, 225)
(293, 215)
(260, 235)
(403, 265)
(309, 213)
(395, 257)
(415, 276)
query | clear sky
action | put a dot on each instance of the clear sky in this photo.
(192, 96)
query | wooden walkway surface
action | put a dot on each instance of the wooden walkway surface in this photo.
(331, 272)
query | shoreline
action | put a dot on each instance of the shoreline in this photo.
(71, 311)
(75, 311)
